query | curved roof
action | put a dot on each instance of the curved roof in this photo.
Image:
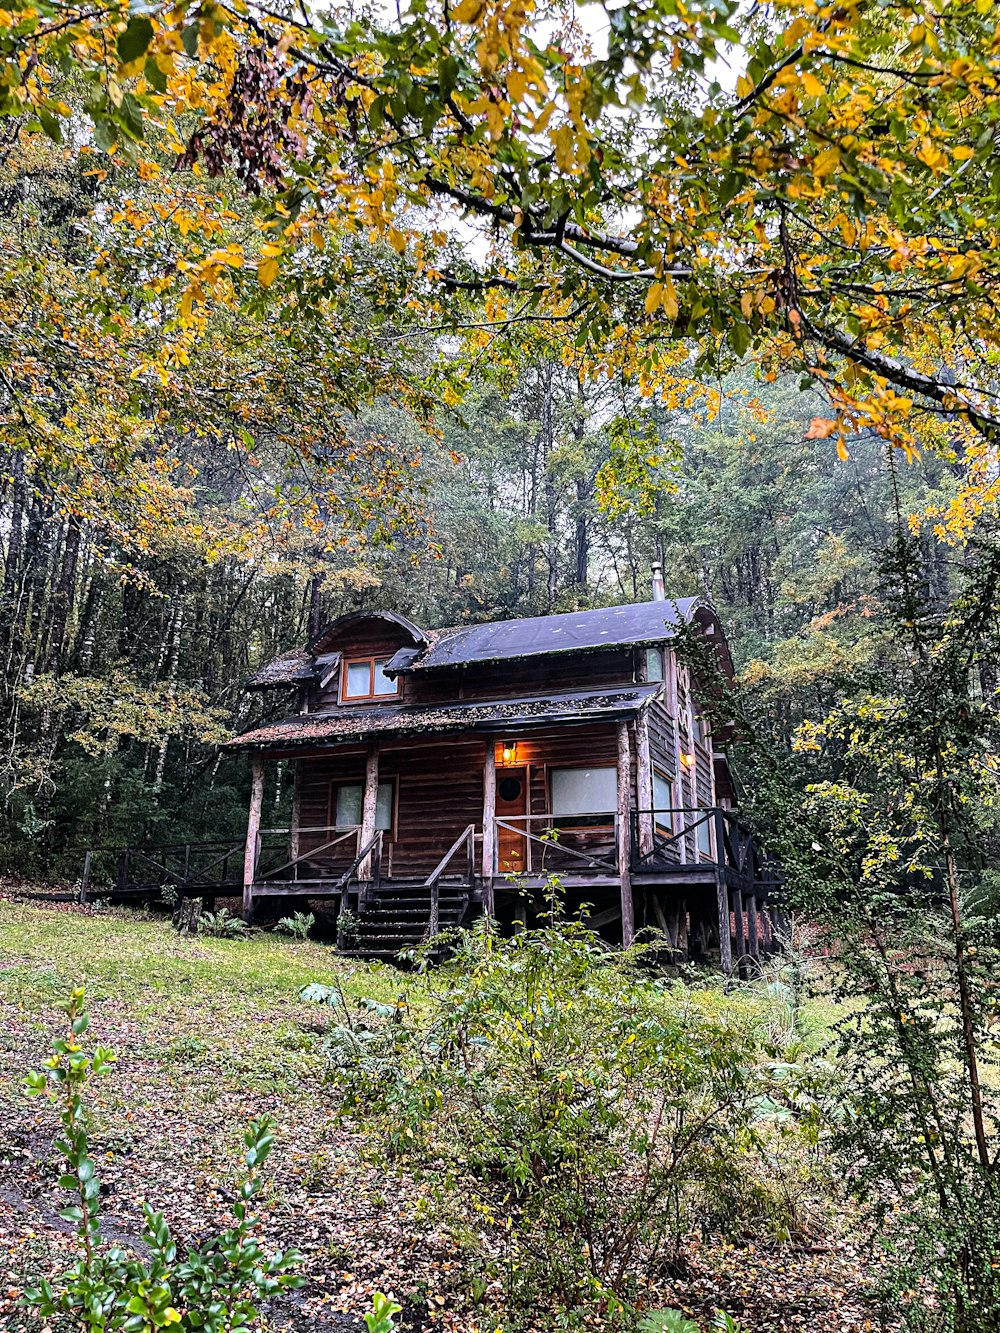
(534, 636)
(356, 617)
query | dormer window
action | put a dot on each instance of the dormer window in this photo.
(365, 678)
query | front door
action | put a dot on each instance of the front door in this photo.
(512, 806)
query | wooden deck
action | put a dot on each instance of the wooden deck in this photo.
(699, 877)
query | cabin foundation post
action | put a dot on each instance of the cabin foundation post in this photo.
(741, 960)
(489, 822)
(752, 929)
(684, 932)
(369, 811)
(725, 938)
(644, 784)
(252, 850)
(624, 830)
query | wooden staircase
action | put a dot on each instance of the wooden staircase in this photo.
(398, 918)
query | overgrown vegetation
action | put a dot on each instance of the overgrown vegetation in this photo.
(577, 1118)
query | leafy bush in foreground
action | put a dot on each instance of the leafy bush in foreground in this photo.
(213, 1289)
(572, 1116)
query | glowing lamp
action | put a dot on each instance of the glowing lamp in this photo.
(509, 752)
(687, 760)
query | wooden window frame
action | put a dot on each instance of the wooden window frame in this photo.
(577, 828)
(348, 662)
(668, 779)
(390, 781)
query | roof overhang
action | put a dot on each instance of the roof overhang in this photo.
(615, 704)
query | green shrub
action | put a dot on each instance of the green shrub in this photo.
(214, 1288)
(569, 1112)
(348, 929)
(222, 924)
(298, 925)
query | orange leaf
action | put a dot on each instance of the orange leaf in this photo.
(821, 428)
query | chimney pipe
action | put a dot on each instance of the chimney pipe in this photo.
(659, 594)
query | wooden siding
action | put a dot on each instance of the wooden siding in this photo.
(439, 788)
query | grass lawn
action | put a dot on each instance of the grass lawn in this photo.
(210, 1033)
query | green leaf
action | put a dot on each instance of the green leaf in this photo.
(135, 40)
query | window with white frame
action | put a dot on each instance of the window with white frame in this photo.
(654, 664)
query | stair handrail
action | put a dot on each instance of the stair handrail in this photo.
(465, 839)
(341, 885)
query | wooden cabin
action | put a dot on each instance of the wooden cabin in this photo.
(439, 774)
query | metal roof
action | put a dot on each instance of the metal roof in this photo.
(536, 636)
(361, 724)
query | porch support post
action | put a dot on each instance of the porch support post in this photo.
(369, 808)
(293, 833)
(253, 834)
(754, 940)
(644, 784)
(489, 822)
(725, 938)
(625, 832)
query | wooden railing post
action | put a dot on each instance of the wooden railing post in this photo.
(489, 822)
(623, 828)
(434, 924)
(720, 837)
(85, 879)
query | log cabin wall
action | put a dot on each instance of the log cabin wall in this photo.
(438, 788)
(488, 680)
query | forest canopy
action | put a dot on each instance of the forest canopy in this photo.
(471, 310)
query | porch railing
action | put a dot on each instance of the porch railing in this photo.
(702, 835)
(550, 843)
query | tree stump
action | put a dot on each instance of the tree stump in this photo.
(188, 913)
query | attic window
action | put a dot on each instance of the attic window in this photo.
(365, 678)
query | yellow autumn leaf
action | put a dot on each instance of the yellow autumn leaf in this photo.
(811, 85)
(746, 304)
(653, 298)
(397, 240)
(267, 271)
(826, 161)
(469, 11)
(563, 143)
(669, 299)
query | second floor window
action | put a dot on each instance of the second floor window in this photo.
(365, 678)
